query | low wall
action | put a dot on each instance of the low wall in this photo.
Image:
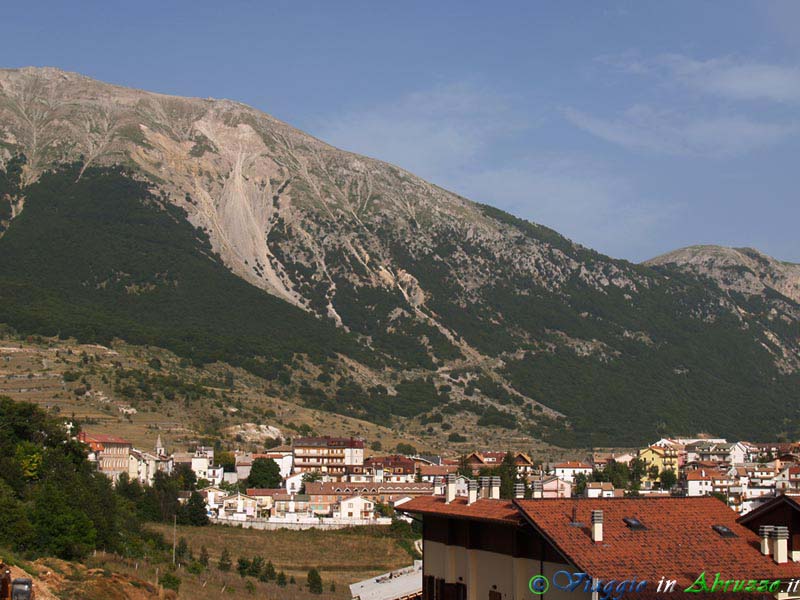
(326, 523)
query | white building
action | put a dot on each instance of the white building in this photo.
(568, 470)
(601, 489)
(293, 483)
(355, 507)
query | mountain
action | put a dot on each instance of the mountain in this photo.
(743, 270)
(220, 233)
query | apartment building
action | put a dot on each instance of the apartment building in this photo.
(331, 456)
(566, 471)
(394, 468)
(111, 453)
(479, 548)
(324, 496)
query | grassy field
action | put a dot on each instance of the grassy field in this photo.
(342, 557)
(32, 370)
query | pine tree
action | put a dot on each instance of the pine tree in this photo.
(203, 556)
(182, 550)
(243, 566)
(281, 579)
(268, 574)
(314, 582)
(195, 512)
(224, 560)
(255, 566)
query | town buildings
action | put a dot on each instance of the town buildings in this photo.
(567, 471)
(478, 461)
(483, 548)
(111, 453)
(331, 456)
(658, 459)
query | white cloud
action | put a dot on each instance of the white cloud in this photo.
(426, 132)
(726, 77)
(737, 79)
(668, 132)
(456, 135)
(579, 197)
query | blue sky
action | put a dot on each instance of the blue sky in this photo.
(631, 127)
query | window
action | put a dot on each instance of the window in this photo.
(723, 531)
(634, 524)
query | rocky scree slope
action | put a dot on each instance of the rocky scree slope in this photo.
(357, 286)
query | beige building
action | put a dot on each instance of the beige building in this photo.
(111, 453)
(331, 456)
(480, 548)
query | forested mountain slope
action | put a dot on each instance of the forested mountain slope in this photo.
(219, 232)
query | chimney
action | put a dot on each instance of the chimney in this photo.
(472, 491)
(780, 541)
(519, 490)
(438, 485)
(494, 490)
(538, 489)
(597, 526)
(484, 481)
(450, 488)
(765, 532)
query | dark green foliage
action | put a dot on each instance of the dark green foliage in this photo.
(103, 256)
(182, 550)
(224, 561)
(407, 449)
(281, 579)
(256, 565)
(194, 513)
(243, 566)
(314, 582)
(169, 581)
(52, 501)
(136, 269)
(667, 478)
(203, 560)
(265, 473)
(9, 188)
(268, 573)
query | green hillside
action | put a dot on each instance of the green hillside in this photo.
(102, 257)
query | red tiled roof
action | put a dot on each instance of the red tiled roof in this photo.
(437, 469)
(501, 511)
(332, 487)
(264, 491)
(328, 442)
(101, 438)
(679, 541)
(572, 464)
(704, 475)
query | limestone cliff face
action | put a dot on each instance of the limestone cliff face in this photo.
(743, 270)
(457, 293)
(758, 286)
(285, 211)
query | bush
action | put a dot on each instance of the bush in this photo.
(169, 581)
(314, 582)
(224, 561)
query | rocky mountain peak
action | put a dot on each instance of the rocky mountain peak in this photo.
(745, 270)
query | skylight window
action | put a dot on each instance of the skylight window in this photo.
(634, 524)
(723, 531)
